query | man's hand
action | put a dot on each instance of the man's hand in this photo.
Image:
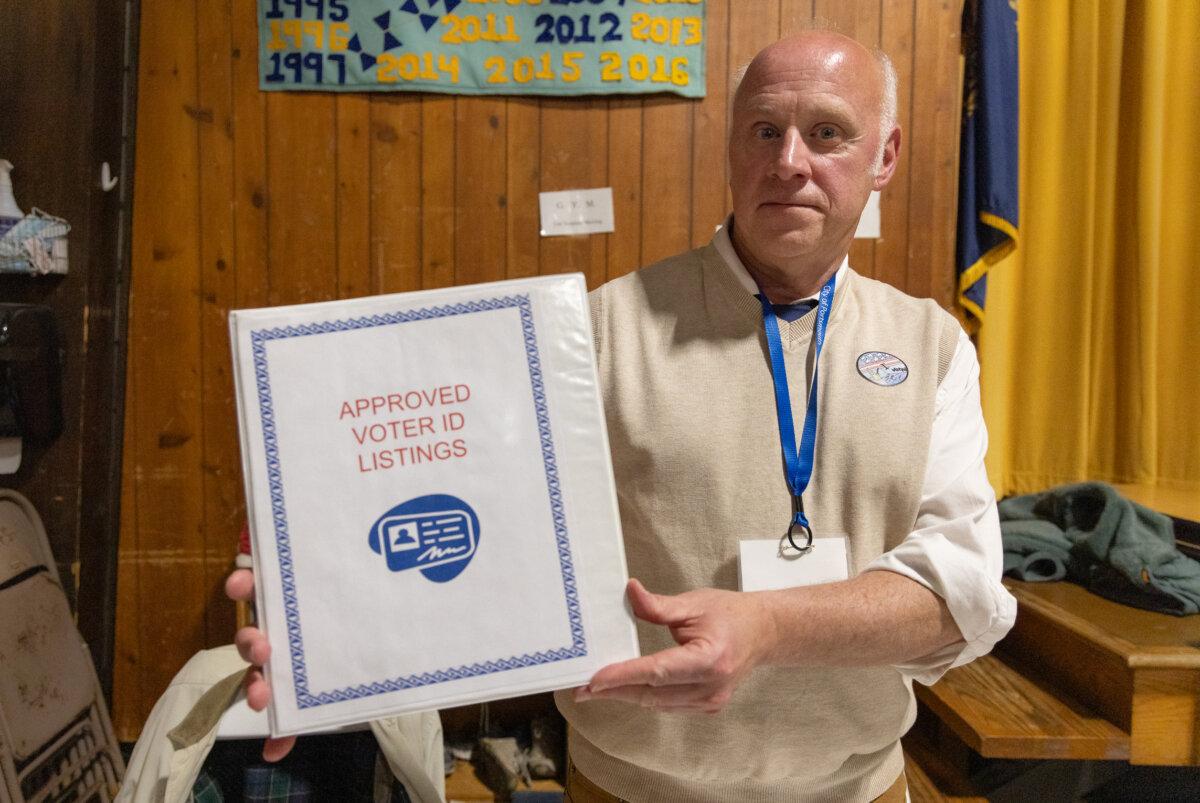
(253, 647)
(722, 635)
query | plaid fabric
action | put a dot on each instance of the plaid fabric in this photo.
(344, 767)
(275, 784)
(207, 790)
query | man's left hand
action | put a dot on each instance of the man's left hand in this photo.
(722, 635)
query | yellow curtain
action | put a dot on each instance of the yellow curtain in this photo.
(1090, 351)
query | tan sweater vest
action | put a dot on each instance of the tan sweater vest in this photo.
(691, 417)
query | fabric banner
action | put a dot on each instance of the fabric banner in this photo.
(483, 47)
(987, 183)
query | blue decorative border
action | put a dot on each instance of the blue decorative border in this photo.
(578, 646)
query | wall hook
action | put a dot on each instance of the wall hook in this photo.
(107, 179)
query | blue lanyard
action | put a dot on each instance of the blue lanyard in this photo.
(799, 462)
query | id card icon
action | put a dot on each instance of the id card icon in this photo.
(437, 535)
(427, 540)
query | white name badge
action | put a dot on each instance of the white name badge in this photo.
(772, 563)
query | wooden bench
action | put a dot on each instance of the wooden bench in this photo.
(1078, 678)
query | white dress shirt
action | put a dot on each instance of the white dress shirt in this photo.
(955, 550)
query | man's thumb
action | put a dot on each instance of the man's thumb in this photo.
(654, 608)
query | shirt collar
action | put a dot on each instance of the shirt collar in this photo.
(724, 246)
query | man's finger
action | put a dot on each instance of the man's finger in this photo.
(252, 645)
(239, 585)
(258, 693)
(655, 608)
(691, 696)
(674, 666)
(275, 749)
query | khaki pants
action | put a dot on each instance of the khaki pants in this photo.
(581, 790)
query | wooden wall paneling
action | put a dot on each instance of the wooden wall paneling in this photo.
(750, 33)
(481, 187)
(301, 221)
(859, 21)
(164, 447)
(524, 147)
(396, 193)
(666, 177)
(353, 199)
(574, 156)
(309, 196)
(223, 507)
(891, 250)
(251, 195)
(625, 178)
(438, 203)
(710, 178)
(794, 15)
(933, 159)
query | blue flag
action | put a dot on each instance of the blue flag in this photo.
(987, 180)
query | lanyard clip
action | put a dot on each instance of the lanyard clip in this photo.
(800, 526)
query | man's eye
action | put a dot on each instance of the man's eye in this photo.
(766, 132)
(826, 132)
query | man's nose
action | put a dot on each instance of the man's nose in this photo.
(793, 159)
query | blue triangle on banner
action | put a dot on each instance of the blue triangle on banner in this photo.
(390, 41)
(355, 46)
(428, 20)
(451, 5)
(410, 7)
(384, 20)
(368, 61)
(433, 3)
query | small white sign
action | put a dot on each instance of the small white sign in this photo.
(769, 565)
(868, 224)
(576, 211)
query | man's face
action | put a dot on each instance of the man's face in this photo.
(803, 151)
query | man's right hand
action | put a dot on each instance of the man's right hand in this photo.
(253, 647)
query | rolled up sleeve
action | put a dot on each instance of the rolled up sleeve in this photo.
(955, 549)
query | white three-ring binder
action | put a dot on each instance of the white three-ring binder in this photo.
(430, 498)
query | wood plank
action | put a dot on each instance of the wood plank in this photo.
(524, 144)
(438, 211)
(667, 177)
(1166, 717)
(1129, 632)
(931, 781)
(710, 121)
(301, 221)
(574, 132)
(795, 15)
(861, 22)
(224, 507)
(250, 195)
(625, 178)
(891, 250)
(1000, 713)
(165, 423)
(353, 202)
(396, 193)
(934, 153)
(481, 181)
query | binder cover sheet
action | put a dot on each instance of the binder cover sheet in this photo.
(431, 499)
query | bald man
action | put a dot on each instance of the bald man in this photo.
(800, 692)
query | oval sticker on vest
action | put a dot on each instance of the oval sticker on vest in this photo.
(882, 368)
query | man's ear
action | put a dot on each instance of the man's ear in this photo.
(887, 165)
